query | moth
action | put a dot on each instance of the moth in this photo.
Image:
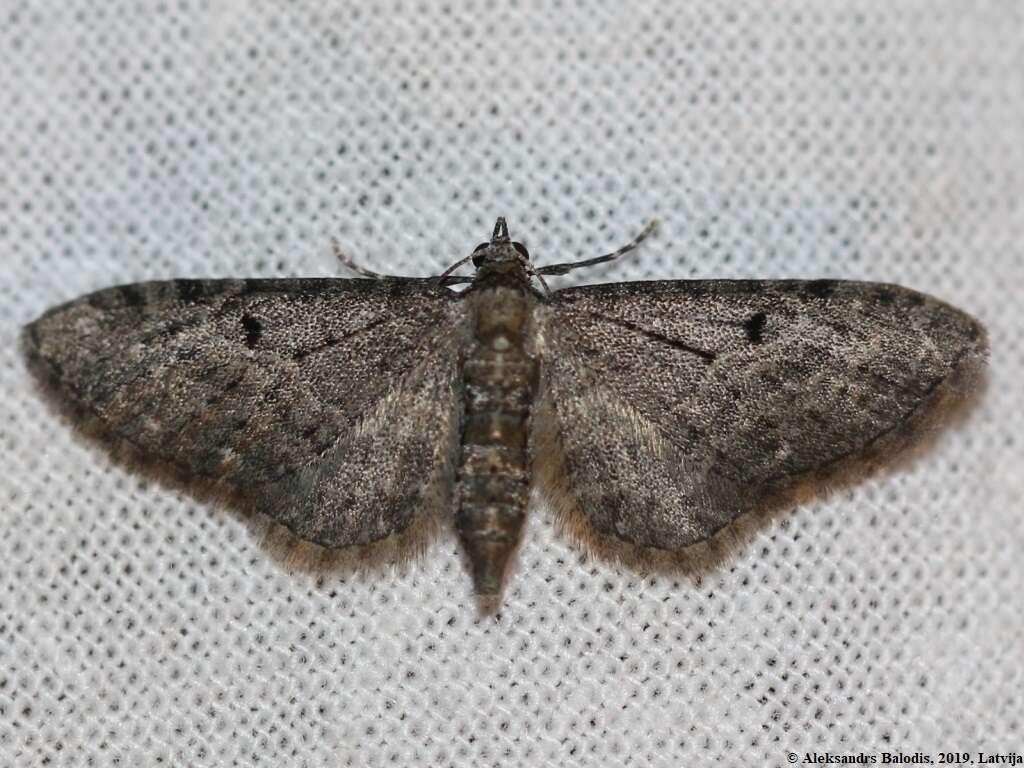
(347, 409)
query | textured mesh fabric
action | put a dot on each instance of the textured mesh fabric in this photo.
(869, 140)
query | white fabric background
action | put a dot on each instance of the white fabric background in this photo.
(869, 139)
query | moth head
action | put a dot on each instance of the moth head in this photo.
(501, 249)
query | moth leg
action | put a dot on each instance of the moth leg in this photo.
(345, 259)
(561, 269)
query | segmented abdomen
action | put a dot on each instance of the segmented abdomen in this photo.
(499, 378)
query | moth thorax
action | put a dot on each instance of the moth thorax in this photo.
(500, 314)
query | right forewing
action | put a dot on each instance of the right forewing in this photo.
(680, 405)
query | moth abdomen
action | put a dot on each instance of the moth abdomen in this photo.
(494, 473)
(513, 489)
(496, 384)
(490, 523)
(506, 429)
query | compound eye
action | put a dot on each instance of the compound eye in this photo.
(478, 256)
(521, 250)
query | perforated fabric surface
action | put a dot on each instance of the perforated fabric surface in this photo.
(867, 140)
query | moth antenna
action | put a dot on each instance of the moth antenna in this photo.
(455, 266)
(532, 272)
(346, 260)
(455, 280)
(564, 268)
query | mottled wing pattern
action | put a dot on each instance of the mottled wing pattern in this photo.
(679, 405)
(279, 390)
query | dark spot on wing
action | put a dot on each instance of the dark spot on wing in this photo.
(914, 298)
(253, 330)
(166, 331)
(816, 416)
(820, 289)
(132, 296)
(755, 327)
(884, 296)
(252, 285)
(189, 290)
(108, 298)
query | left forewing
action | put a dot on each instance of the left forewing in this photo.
(330, 404)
